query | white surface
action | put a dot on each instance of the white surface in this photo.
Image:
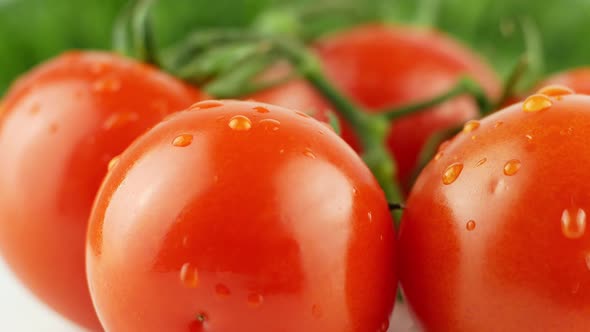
(21, 312)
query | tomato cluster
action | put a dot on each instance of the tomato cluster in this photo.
(125, 208)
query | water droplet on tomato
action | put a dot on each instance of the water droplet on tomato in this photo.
(556, 90)
(281, 151)
(206, 105)
(305, 115)
(529, 137)
(316, 311)
(240, 123)
(470, 225)
(185, 241)
(255, 299)
(384, 326)
(113, 163)
(182, 140)
(536, 103)
(370, 216)
(470, 126)
(189, 275)
(444, 145)
(222, 290)
(107, 84)
(270, 124)
(573, 227)
(438, 156)
(53, 128)
(587, 259)
(481, 162)
(452, 173)
(309, 153)
(511, 167)
(261, 109)
(119, 119)
(498, 124)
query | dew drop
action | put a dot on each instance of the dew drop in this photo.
(189, 275)
(470, 225)
(438, 156)
(205, 105)
(113, 163)
(222, 290)
(370, 216)
(471, 126)
(536, 103)
(255, 299)
(107, 84)
(309, 153)
(528, 137)
(444, 145)
(270, 124)
(305, 115)
(240, 123)
(481, 162)
(498, 124)
(452, 173)
(573, 228)
(511, 167)
(119, 119)
(556, 90)
(261, 109)
(316, 311)
(587, 259)
(182, 140)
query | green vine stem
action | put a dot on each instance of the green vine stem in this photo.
(133, 35)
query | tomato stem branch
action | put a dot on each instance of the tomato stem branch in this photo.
(132, 33)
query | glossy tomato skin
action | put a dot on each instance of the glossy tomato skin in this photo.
(382, 67)
(60, 126)
(247, 217)
(504, 246)
(578, 79)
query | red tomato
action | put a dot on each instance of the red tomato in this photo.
(578, 79)
(494, 235)
(62, 123)
(385, 66)
(241, 216)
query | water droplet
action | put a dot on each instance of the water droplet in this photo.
(182, 140)
(189, 275)
(452, 173)
(261, 109)
(438, 156)
(511, 167)
(222, 290)
(113, 163)
(53, 128)
(470, 225)
(35, 108)
(107, 84)
(185, 241)
(573, 228)
(282, 151)
(309, 153)
(470, 126)
(528, 137)
(119, 119)
(556, 90)
(498, 124)
(205, 105)
(202, 317)
(566, 131)
(536, 103)
(385, 326)
(370, 216)
(305, 115)
(474, 137)
(481, 162)
(316, 311)
(270, 124)
(444, 145)
(587, 259)
(240, 123)
(255, 299)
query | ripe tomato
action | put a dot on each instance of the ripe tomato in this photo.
(577, 79)
(386, 66)
(241, 216)
(62, 123)
(494, 235)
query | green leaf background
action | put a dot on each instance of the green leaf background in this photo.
(34, 30)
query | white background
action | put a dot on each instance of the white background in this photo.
(20, 312)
